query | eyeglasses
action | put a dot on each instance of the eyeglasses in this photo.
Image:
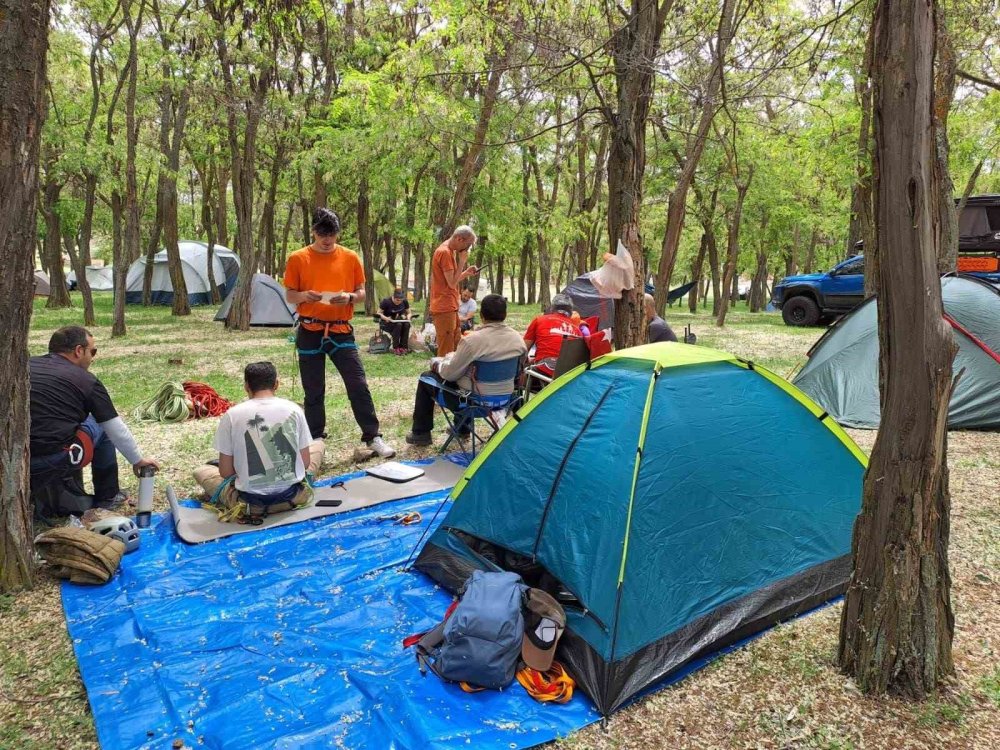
(93, 352)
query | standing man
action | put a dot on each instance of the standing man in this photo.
(448, 271)
(324, 280)
(73, 422)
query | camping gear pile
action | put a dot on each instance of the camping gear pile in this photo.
(178, 402)
(80, 555)
(842, 372)
(496, 623)
(673, 499)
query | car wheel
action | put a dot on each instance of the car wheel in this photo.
(800, 311)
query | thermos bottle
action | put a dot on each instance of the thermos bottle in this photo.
(144, 511)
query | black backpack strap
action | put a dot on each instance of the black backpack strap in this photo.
(427, 647)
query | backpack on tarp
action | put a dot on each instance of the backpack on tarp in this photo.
(479, 641)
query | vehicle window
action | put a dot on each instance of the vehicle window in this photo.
(994, 215)
(855, 266)
(974, 221)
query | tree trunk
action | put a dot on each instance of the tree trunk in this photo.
(173, 115)
(944, 92)
(132, 233)
(58, 293)
(811, 254)
(713, 267)
(87, 223)
(897, 623)
(696, 270)
(522, 270)
(634, 48)
(861, 226)
(365, 240)
(120, 267)
(677, 202)
(81, 279)
(23, 42)
(730, 278)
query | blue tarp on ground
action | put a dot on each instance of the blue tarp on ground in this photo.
(286, 638)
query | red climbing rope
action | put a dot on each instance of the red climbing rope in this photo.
(206, 400)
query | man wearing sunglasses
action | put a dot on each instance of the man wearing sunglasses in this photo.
(73, 422)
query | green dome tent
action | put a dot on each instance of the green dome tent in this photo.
(675, 498)
(383, 289)
(842, 372)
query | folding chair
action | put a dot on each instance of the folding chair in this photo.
(473, 404)
(573, 353)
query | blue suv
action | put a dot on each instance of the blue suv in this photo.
(810, 298)
(814, 298)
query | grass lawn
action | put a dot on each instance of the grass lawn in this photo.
(782, 691)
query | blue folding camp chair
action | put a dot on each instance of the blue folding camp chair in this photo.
(473, 404)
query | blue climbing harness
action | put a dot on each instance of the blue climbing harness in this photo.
(326, 340)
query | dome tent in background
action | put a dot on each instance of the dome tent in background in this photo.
(841, 374)
(675, 498)
(268, 307)
(194, 261)
(42, 286)
(100, 278)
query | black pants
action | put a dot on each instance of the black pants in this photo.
(312, 369)
(400, 333)
(423, 404)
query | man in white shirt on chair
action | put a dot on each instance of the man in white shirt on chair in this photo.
(493, 341)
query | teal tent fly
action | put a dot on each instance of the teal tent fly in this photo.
(842, 372)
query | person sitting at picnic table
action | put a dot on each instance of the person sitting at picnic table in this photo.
(493, 341)
(467, 311)
(658, 329)
(73, 421)
(391, 310)
(265, 452)
(548, 331)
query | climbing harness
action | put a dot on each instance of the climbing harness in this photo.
(553, 686)
(326, 338)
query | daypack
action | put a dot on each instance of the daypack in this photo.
(479, 641)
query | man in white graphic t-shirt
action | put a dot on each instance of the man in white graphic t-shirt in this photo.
(265, 451)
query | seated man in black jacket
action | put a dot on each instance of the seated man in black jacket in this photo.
(73, 422)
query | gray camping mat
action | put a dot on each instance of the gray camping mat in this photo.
(196, 525)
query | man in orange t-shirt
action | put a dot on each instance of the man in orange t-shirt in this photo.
(448, 270)
(324, 280)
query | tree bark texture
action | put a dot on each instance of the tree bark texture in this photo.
(76, 262)
(634, 48)
(23, 44)
(730, 279)
(897, 623)
(58, 293)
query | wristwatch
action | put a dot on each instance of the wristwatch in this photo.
(351, 295)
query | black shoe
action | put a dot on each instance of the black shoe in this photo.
(419, 438)
(214, 462)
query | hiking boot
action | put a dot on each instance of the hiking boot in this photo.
(419, 438)
(380, 447)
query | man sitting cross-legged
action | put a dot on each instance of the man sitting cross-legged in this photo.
(493, 341)
(265, 451)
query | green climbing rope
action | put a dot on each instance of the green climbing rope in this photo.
(169, 404)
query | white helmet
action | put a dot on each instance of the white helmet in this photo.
(118, 527)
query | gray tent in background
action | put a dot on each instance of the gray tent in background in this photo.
(268, 307)
(42, 287)
(588, 302)
(100, 278)
(842, 372)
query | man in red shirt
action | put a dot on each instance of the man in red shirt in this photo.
(448, 270)
(548, 332)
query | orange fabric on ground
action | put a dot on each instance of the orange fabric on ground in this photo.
(338, 271)
(444, 298)
(447, 331)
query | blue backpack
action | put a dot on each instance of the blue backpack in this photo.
(479, 641)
